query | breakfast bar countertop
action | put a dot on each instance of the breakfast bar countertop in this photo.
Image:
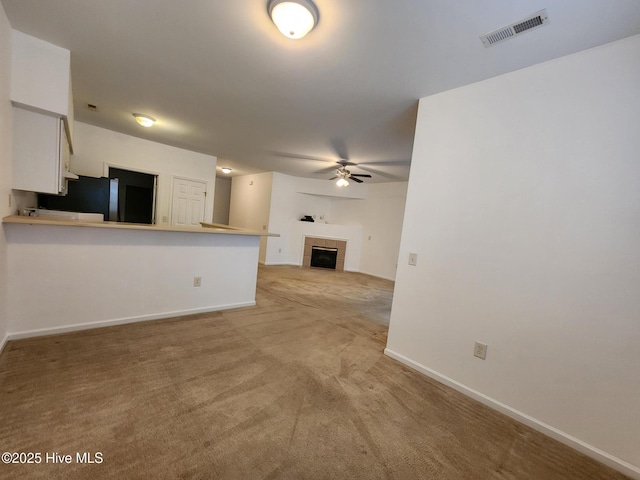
(206, 227)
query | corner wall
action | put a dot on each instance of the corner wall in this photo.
(380, 215)
(250, 203)
(6, 130)
(524, 209)
(222, 201)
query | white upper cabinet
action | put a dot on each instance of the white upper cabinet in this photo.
(41, 78)
(40, 152)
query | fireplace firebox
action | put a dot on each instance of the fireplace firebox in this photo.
(324, 257)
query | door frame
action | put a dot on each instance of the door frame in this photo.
(156, 183)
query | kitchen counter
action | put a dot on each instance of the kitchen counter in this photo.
(72, 274)
(205, 228)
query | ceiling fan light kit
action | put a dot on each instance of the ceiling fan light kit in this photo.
(294, 18)
(343, 175)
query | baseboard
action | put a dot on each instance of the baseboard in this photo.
(120, 321)
(378, 276)
(281, 263)
(573, 442)
(346, 270)
(3, 342)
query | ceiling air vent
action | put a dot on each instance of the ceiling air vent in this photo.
(536, 20)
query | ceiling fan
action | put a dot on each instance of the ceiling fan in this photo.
(343, 175)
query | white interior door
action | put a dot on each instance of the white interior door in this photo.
(188, 202)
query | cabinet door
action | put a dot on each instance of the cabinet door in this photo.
(64, 156)
(36, 152)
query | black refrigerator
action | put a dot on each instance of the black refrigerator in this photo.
(126, 197)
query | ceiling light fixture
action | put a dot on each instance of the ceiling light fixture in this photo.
(294, 18)
(342, 182)
(225, 170)
(144, 120)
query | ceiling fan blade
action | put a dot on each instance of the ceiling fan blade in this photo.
(333, 178)
(397, 163)
(340, 147)
(378, 172)
(302, 157)
(365, 175)
(327, 170)
(357, 180)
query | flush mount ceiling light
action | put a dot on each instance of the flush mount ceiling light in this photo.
(294, 18)
(225, 170)
(144, 120)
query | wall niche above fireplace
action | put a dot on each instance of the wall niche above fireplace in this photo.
(340, 247)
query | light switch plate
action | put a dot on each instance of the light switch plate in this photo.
(413, 259)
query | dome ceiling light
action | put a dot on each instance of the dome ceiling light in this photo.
(144, 120)
(294, 18)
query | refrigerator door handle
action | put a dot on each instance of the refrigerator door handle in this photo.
(113, 200)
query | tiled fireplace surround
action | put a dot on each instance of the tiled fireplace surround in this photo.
(309, 242)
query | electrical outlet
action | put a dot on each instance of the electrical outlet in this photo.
(413, 259)
(480, 350)
(197, 281)
(279, 250)
(165, 219)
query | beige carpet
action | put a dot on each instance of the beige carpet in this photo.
(294, 388)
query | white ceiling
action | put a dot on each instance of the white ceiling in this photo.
(222, 80)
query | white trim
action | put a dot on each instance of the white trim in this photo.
(351, 271)
(282, 263)
(569, 440)
(106, 165)
(3, 343)
(119, 321)
(378, 276)
(154, 214)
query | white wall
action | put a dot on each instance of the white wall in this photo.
(41, 74)
(94, 147)
(222, 201)
(380, 215)
(250, 200)
(5, 161)
(524, 208)
(287, 208)
(64, 278)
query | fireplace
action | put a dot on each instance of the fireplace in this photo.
(324, 247)
(324, 257)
